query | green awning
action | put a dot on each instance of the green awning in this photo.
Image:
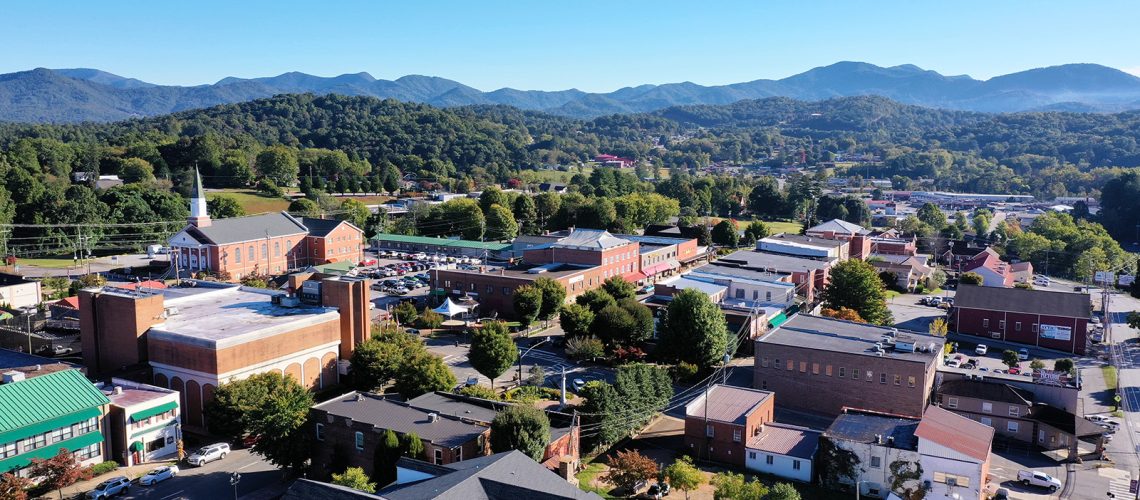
(23, 460)
(49, 424)
(145, 414)
(438, 291)
(137, 446)
(151, 429)
(778, 320)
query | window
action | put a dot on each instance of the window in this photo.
(289, 246)
(776, 363)
(768, 459)
(1001, 324)
(795, 465)
(237, 255)
(1033, 328)
(86, 453)
(870, 375)
(855, 373)
(320, 432)
(882, 378)
(764, 362)
(458, 453)
(8, 450)
(506, 291)
(490, 289)
(815, 368)
(251, 257)
(1011, 426)
(898, 379)
(33, 442)
(740, 293)
(265, 250)
(276, 248)
(85, 426)
(951, 402)
(360, 440)
(755, 294)
(769, 296)
(842, 372)
(439, 457)
(987, 407)
(952, 479)
(1017, 326)
(1014, 411)
(827, 371)
(803, 366)
(709, 430)
(736, 435)
(910, 381)
(986, 323)
(876, 462)
(752, 455)
(987, 421)
(791, 365)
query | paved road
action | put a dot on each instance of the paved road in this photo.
(212, 481)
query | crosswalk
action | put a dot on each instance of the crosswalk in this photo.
(1118, 482)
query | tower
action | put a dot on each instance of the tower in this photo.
(198, 215)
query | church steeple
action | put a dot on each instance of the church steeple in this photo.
(198, 215)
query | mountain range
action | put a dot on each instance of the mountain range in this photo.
(75, 95)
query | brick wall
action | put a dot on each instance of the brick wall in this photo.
(204, 359)
(111, 328)
(1001, 325)
(351, 298)
(723, 446)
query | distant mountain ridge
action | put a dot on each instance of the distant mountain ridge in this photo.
(72, 95)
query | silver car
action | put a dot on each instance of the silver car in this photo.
(111, 487)
(158, 475)
(207, 454)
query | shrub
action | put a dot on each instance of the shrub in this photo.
(585, 348)
(479, 391)
(528, 394)
(685, 371)
(104, 467)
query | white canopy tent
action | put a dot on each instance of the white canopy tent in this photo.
(449, 308)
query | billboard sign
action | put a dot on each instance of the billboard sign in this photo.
(1126, 280)
(1056, 332)
(1105, 277)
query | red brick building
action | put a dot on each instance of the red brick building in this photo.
(719, 424)
(1042, 318)
(263, 244)
(810, 276)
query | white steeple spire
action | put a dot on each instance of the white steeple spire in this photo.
(198, 215)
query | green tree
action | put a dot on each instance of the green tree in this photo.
(585, 347)
(766, 200)
(1009, 358)
(492, 350)
(1063, 365)
(553, 297)
(385, 457)
(757, 230)
(355, 478)
(683, 475)
(377, 361)
(932, 216)
(422, 373)
(501, 224)
(596, 299)
(413, 445)
(694, 330)
(430, 319)
(619, 288)
(1133, 318)
(521, 427)
(527, 301)
(628, 468)
(939, 327)
(982, 224)
(526, 214)
(134, 170)
(855, 284)
(278, 164)
(732, 486)
(490, 197)
(725, 233)
(304, 207)
(783, 491)
(57, 286)
(224, 207)
(1037, 365)
(641, 320)
(971, 279)
(355, 212)
(406, 313)
(272, 406)
(576, 320)
(547, 204)
(612, 324)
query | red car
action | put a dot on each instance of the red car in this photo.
(368, 262)
(1014, 370)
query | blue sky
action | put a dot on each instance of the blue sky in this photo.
(590, 45)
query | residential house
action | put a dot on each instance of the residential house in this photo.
(720, 422)
(783, 450)
(1042, 318)
(143, 422)
(994, 271)
(955, 455)
(45, 409)
(910, 271)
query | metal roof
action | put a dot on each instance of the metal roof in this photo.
(371, 409)
(46, 397)
(759, 260)
(827, 334)
(503, 476)
(787, 440)
(1045, 302)
(590, 239)
(956, 432)
(839, 226)
(253, 227)
(727, 403)
(320, 227)
(444, 242)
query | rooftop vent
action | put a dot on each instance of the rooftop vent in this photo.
(433, 417)
(13, 376)
(169, 311)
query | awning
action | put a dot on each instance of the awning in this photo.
(23, 460)
(157, 410)
(47, 425)
(634, 277)
(137, 446)
(654, 269)
(778, 320)
(438, 291)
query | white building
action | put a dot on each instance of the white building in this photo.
(805, 246)
(955, 455)
(783, 450)
(879, 444)
(144, 423)
(19, 292)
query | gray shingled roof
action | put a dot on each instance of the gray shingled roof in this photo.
(503, 476)
(253, 227)
(1066, 304)
(866, 427)
(384, 414)
(307, 489)
(320, 227)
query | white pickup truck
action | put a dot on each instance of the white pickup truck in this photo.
(1039, 479)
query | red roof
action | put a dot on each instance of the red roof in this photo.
(956, 432)
(144, 284)
(72, 302)
(634, 276)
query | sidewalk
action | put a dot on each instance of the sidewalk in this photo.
(134, 472)
(1092, 384)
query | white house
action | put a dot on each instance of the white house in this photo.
(144, 422)
(783, 450)
(879, 444)
(955, 455)
(19, 292)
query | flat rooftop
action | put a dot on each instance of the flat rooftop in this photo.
(827, 334)
(803, 241)
(743, 275)
(555, 270)
(220, 316)
(759, 260)
(860, 427)
(131, 396)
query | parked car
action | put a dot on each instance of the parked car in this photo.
(1039, 479)
(1023, 354)
(158, 475)
(207, 454)
(953, 363)
(981, 350)
(54, 350)
(1014, 370)
(579, 384)
(1000, 494)
(646, 289)
(1103, 420)
(111, 487)
(658, 490)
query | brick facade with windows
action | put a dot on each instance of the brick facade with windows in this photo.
(1053, 320)
(720, 431)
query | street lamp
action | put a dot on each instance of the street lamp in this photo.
(235, 478)
(858, 489)
(521, 356)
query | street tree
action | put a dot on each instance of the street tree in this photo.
(406, 313)
(576, 320)
(939, 327)
(13, 487)
(971, 279)
(422, 373)
(1063, 365)
(683, 475)
(377, 361)
(585, 347)
(355, 478)
(521, 427)
(628, 468)
(492, 196)
(278, 419)
(612, 324)
(732, 486)
(596, 299)
(694, 329)
(492, 350)
(843, 313)
(553, 297)
(641, 321)
(855, 284)
(1009, 358)
(528, 303)
(59, 471)
(619, 288)
(1037, 365)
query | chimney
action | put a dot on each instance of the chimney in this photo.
(13, 376)
(878, 439)
(890, 440)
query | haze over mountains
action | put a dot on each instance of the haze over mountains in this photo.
(73, 95)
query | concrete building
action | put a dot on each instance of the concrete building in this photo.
(45, 410)
(194, 338)
(143, 422)
(880, 445)
(965, 199)
(444, 246)
(810, 276)
(347, 429)
(807, 247)
(260, 244)
(17, 292)
(955, 455)
(1042, 318)
(824, 365)
(720, 422)
(747, 287)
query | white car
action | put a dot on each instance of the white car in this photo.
(1103, 420)
(158, 475)
(981, 350)
(111, 487)
(953, 363)
(1023, 354)
(579, 384)
(1040, 479)
(207, 454)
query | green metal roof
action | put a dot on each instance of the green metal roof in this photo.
(778, 320)
(444, 242)
(25, 459)
(27, 405)
(145, 414)
(335, 267)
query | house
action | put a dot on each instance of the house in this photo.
(783, 450)
(720, 422)
(44, 411)
(1022, 271)
(877, 446)
(824, 365)
(550, 187)
(260, 244)
(17, 291)
(955, 455)
(1042, 318)
(991, 268)
(891, 243)
(614, 161)
(143, 422)
(910, 271)
(807, 247)
(565, 429)
(195, 337)
(347, 429)
(960, 252)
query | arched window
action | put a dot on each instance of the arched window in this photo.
(251, 255)
(237, 255)
(276, 248)
(265, 250)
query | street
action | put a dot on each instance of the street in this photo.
(212, 481)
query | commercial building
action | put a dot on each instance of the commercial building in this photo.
(44, 411)
(955, 455)
(963, 199)
(824, 365)
(443, 246)
(17, 291)
(195, 337)
(720, 422)
(881, 445)
(828, 250)
(810, 276)
(260, 244)
(1042, 318)
(347, 430)
(857, 236)
(143, 422)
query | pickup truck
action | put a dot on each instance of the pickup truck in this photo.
(1039, 479)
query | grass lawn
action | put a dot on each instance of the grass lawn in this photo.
(251, 201)
(367, 200)
(891, 294)
(591, 471)
(54, 262)
(784, 227)
(1109, 373)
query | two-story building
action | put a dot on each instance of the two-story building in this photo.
(878, 447)
(955, 455)
(719, 423)
(807, 247)
(143, 422)
(810, 276)
(1041, 318)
